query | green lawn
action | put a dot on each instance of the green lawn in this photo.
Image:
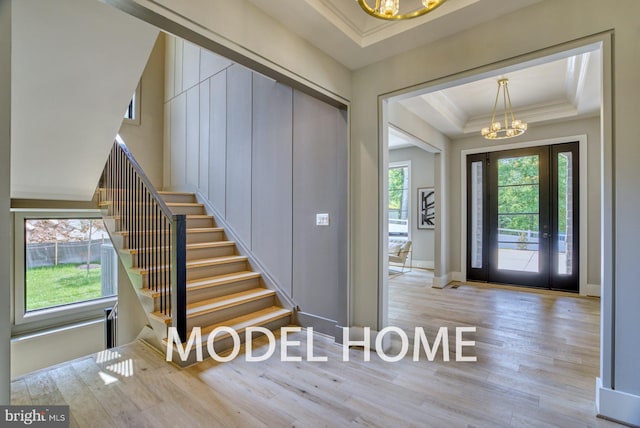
(61, 285)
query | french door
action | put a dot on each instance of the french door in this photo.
(523, 217)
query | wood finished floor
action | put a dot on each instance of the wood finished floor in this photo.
(537, 363)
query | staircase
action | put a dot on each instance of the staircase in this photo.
(218, 286)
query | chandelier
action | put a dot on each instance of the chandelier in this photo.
(496, 131)
(389, 9)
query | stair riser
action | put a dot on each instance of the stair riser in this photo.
(196, 238)
(229, 313)
(221, 290)
(225, 344)
(209, 271)
(193, 223)
(210, 252)
(187, 210)
(187, 198)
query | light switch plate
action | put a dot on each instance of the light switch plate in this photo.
(322, 219)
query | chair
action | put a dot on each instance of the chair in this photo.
(399, 253)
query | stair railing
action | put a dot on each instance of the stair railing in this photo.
(158, 235)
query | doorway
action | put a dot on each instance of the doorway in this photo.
(523, 217)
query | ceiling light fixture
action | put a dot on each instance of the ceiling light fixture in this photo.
(389, 9)
(496, 131)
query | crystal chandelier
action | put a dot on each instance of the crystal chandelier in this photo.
(389, 9)
(496, 131)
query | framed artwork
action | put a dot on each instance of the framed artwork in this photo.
(426, 208)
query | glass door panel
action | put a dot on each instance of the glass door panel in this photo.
(519, 217)
(523, 217)
(518, 191)
(565, 217)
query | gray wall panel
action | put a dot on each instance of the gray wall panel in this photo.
(218, 141)
(178, 131)
(203, 156)
(193, 136)
(238, 186)
(319, 263)
(272, 178)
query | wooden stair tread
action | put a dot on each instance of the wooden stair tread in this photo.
(215, 261)
(196, 246)
(218, 303)
(183, 204)
(197, 263)
(212, 244)
(241, 323)
(229, 278)
(189, 217)
(169, 192)
(192, 230)
(214, 281)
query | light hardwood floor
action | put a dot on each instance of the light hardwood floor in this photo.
(537, 362)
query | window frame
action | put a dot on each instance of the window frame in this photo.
(59, 315)
(410, 207)
(137, 101)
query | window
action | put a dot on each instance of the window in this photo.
(132, 113)
(399, 203)
(66, 267)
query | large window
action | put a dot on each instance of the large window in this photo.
(399, 203)
(65, 266)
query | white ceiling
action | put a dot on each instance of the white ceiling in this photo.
(559, 89)
(344, 31)
(567, 88)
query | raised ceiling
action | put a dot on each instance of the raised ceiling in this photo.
(342, 30)
(563, 89)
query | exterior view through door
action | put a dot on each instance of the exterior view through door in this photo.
(523, 217)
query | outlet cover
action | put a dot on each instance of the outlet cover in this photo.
(322, 219)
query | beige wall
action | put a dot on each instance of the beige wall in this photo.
(589, 127)
(145, 139)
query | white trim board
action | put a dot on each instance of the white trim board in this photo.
(617, 405)
(584, 194)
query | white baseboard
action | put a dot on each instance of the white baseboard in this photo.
(440, 281)
(422, 264)
(617, 405)
(593, 290)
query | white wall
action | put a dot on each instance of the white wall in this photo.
(75, 65)
(422, 175)
(145, 139)
(37, 351)
(537, 132)
(250, 37)
(5, 215)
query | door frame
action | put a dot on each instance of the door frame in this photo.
(584, 288)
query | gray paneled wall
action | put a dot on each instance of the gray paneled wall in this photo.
(269, 159)
(239, 114)
(319, 171)
(271, 211)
